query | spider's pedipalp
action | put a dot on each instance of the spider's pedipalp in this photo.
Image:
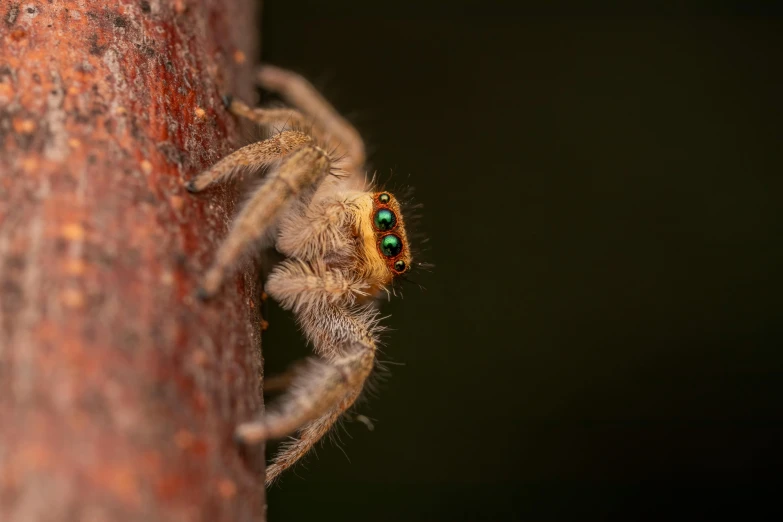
(304, 287)
(318, 230)
(299, 172)
(329, 306)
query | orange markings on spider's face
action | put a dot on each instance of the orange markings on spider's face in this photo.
(391, 240)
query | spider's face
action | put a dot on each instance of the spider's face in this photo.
(390, 238)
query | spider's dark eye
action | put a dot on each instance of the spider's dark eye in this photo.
(391, 245)
(385, 219)
(399, 265)
(384, 198)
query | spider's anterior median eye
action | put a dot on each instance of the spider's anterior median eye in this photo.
(391, 245)
(385, 219)
(384, 198)
(399, 265)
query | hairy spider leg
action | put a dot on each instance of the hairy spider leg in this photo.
(300, 93)
(320, 392)
(343, 332)
(250, 157)
(301, 170)
(269, 117)
(316, 389)
(280, 382)
(309, 435)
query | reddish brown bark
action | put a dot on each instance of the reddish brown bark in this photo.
(119, 392)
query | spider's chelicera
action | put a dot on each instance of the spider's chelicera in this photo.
(344, 243)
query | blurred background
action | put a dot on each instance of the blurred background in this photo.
(601, 336)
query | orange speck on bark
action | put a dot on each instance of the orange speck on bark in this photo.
(170, 485)
(30, 165)
(227, 488)
(199, 447)
(123, 483)
(74, 267)
(6, 92)
(199, 357)
(167, 278)
(184, 439)
(72, 298)
(24, 126)
(177, 202)
(72, 231)
(35, 456)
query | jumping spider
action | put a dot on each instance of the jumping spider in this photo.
(344, 244)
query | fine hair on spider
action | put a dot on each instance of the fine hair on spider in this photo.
(344, 244)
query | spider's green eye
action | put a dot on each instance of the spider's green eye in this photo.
(385, 219)
(391, 245)
(399, 265)
(384, 198)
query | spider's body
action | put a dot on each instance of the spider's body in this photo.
(343, 242)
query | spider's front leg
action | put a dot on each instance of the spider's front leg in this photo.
(250, 157)
(300, 172)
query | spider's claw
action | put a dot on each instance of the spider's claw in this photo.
(190, 186)
(211, 284)
(227, 100)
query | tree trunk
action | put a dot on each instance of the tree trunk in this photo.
(119, 391)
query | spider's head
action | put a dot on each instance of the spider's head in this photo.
(390, 238)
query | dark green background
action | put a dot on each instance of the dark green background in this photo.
(601, 336)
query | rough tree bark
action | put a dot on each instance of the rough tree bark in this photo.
(119, 392)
